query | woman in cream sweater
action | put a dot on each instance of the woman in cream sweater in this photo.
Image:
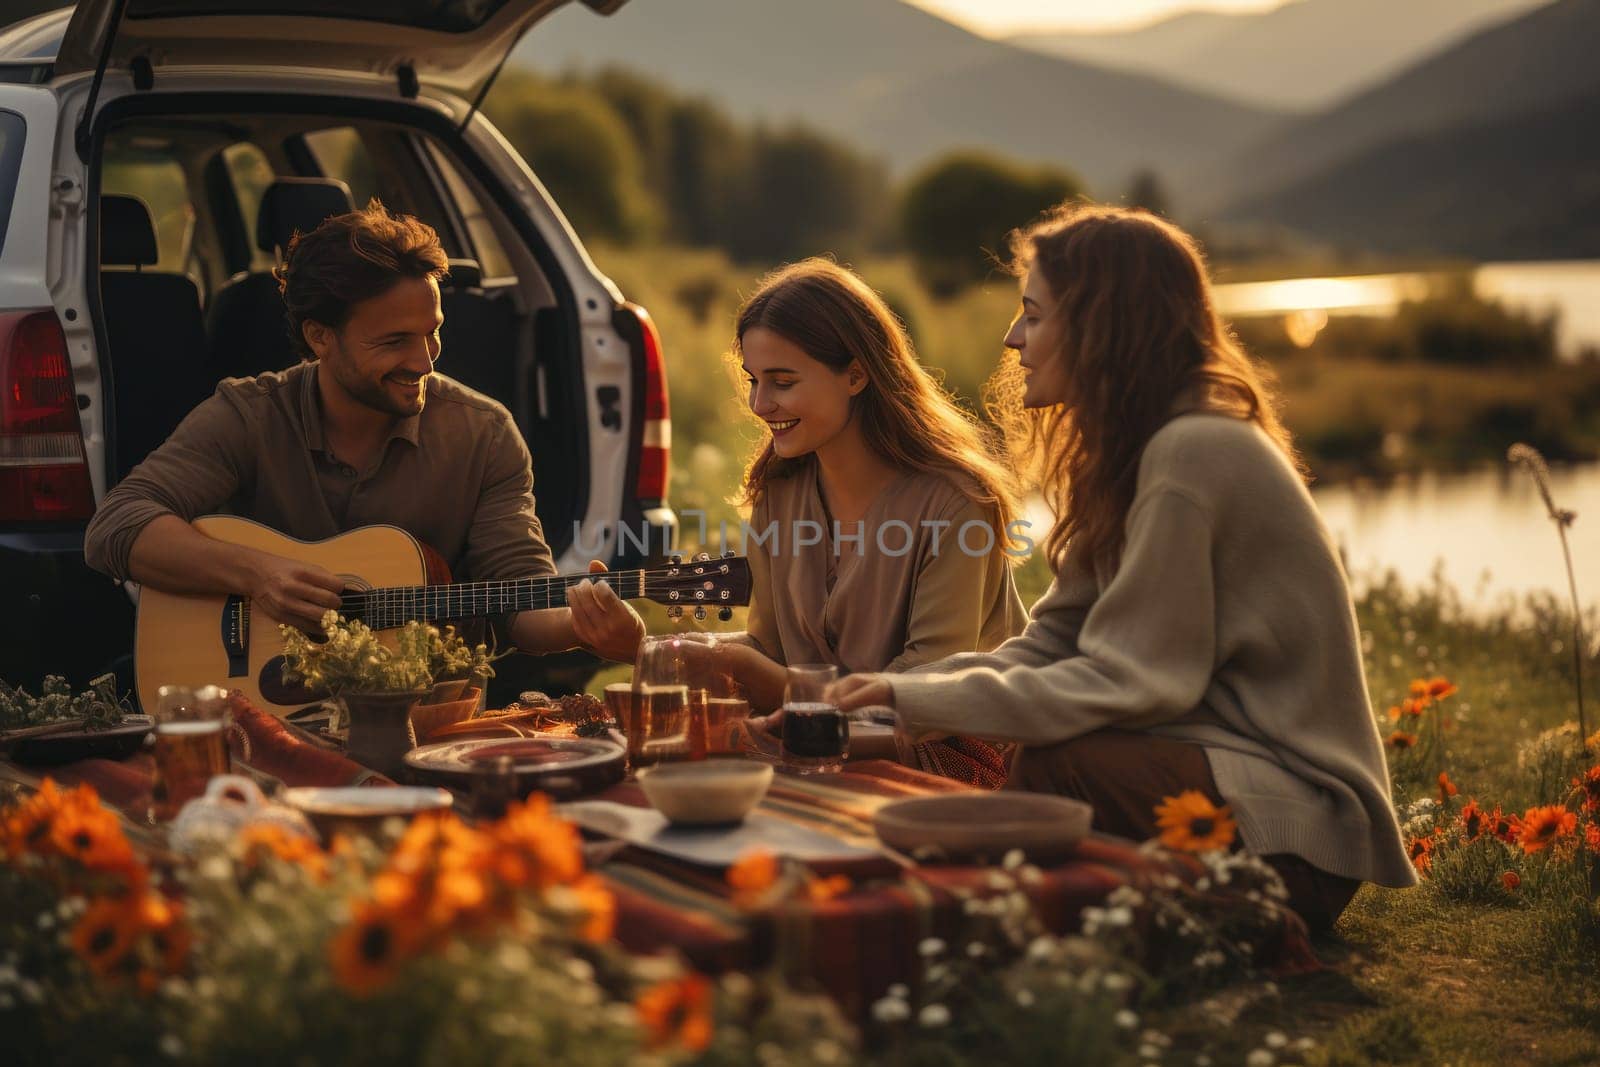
(1199, 633)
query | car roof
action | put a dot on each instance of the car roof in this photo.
(36, 39)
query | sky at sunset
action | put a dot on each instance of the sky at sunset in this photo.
(996, 18)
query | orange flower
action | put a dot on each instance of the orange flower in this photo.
(1415, 706)
(677, 1011)
(551, 849)
(822, 890)
(28, 827)
(1189, 821)
(1401, 739)
(1441, 687)
(1589, 783)
(597, 905)
(1591, 837)
(1473, 820)
(1506, 827)
(752, 875)
(1542, 827)
(1420, 849)
(1419, 687)
(260, 840)
(369, 951)
(1447, 788)
(104, 934)
(93, 837)
(1511, 880)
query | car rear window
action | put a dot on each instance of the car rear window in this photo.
(11, 130)
(452, 16)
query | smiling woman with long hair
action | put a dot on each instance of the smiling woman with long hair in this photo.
(1199, 634)
(887, 508)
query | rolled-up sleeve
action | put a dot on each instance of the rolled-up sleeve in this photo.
(196, 471)
(506, 539)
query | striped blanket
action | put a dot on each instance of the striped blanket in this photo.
(855, 945)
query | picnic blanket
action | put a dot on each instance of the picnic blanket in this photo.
(856, 945)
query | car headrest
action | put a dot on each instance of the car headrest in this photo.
(298, 205)
(127, 235)
(465, 274)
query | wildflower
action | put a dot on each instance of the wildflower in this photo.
(1401, 739)
(929, 947)
(598, 907)
(369, 951)
(1505, 827)
(752, 875)
(1588, 783)
(1419, 688)
(1440, 688)
(1511, 880)
(1420, 849)
(1542, 827)
(821, 890)
(934, 1015)
(92, 836)
(1189, 821)
(1591, 837)
(1447, 788)
(105, 935)
(258, 841)
(677, 1011)
(1276, 1039)
(891, 1010)
(1473, 820)
(1260, 1058)
(1125, 1019)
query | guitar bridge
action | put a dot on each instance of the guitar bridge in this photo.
(236, 635)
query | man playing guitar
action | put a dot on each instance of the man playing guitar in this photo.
(363, 432)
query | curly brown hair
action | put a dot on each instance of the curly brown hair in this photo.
(350, 258)
(1143, 341)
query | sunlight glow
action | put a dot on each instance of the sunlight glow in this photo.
(999, 18)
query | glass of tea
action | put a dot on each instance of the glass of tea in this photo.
(815, 734)
(656, 720)
(188, 745)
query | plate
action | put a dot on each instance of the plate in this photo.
(114, 742)
(984, 826)
(717, 846)
(564, 766)
(363, 808)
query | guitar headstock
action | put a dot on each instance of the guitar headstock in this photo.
(701, 583)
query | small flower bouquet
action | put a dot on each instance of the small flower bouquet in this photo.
(353, 659)
(58, 707)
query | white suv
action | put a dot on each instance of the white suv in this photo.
(154, 157)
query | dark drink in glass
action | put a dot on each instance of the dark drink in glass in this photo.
(816, 737)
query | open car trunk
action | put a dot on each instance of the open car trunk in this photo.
(456, 45)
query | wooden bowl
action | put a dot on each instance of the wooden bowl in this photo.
(979, 827)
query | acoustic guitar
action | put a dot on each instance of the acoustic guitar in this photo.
(197, 639)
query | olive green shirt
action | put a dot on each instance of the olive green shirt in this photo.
(905, 593)
(457, 477)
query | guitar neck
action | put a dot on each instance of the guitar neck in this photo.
(384, 609)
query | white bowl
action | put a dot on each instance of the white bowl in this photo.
(707, 792)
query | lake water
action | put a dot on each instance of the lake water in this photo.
(1487, 531)
(1570, 288)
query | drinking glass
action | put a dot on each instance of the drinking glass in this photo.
(656, 720)
(188, 744)
(815, 734)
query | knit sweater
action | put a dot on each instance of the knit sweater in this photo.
(1227, 622)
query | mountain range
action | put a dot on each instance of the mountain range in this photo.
(1302, 56)
(903, 83)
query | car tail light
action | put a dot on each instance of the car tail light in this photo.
(44, 476)
(655, 455)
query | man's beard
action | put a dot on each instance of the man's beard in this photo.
(377, 396)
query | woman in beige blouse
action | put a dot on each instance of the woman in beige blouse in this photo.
(880, 519)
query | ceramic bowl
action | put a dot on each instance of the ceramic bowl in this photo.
(706, 792)
(984, 826)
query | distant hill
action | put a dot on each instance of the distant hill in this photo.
(1301, 56)
(1525, 187)
(903, 83)
(1533, 64)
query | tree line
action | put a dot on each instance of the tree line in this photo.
(631, 161)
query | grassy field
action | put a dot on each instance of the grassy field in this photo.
(1462, 969)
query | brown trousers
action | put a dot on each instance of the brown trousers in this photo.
(1124, 774)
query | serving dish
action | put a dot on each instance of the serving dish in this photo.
(968, 827)
(706, 793)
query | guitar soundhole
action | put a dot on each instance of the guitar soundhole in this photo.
(274, 689)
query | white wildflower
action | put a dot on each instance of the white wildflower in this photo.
(1275, 1039)
(1025, 998)
(171, 1046)
(1041, 948)
(934, 1015)
(1117, 982)
(1149, 1052)
(900, 990)
(975, 949)
(891, 1010)
(930, 946)
(1126, 1019)
(1260, 1058)
(46, 920)
(1013, 860)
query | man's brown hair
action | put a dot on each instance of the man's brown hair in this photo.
(351, 258)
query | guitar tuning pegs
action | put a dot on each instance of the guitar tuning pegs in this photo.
(725, 613)
(700, 614)
(702, 557)
(727, 553)
(675, 559)
(675, 612)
